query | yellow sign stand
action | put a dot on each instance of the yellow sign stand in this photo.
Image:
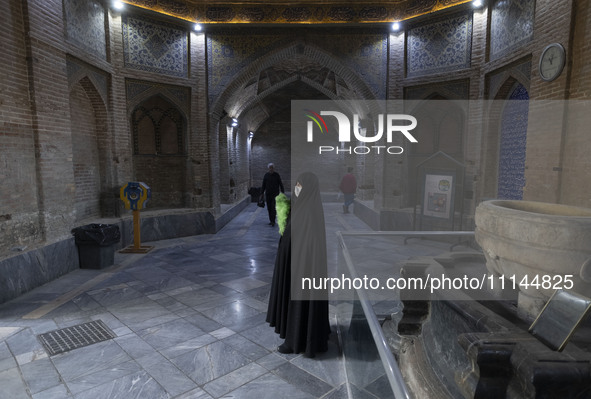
(135, 195)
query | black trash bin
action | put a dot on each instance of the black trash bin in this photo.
(96, 244)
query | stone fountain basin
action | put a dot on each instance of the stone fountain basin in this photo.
(528, 239)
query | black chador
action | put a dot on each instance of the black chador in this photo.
(301, 317)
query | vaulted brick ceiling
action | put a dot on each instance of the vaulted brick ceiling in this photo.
(295, 12)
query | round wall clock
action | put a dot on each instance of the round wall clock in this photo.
(552, 61)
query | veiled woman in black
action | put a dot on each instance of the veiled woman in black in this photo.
(300, 316)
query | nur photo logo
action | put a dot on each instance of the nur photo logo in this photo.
(387, 124)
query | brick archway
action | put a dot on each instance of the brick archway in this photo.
(245, 97)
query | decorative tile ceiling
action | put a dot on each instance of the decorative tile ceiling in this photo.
(296, 12)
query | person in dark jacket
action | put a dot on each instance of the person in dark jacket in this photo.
(272, 185)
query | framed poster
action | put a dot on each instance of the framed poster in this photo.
(438, 194)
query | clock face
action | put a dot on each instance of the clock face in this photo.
(552, 61)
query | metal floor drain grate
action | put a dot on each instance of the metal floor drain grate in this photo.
(66, 339)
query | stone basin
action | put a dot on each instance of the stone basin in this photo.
(542, 243)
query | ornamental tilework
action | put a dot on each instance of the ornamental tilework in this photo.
(367, 55)
(138, 91)
(228, 54)
(513, 145)
(521, 72)
(442, 46)
(155, 46)
(85, 25)
(263, 12)
(511, 26)
(77, 71)
(452, 91)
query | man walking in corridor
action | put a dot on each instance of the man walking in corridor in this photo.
(272, 185)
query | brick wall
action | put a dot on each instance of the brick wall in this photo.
(85, 155)
(49, 120)
(545, 133)
(51, 123)
(576, 162)
(19, 217)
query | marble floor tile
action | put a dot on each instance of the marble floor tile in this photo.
(268, 386)
(134, 346)
(234, 379)
(89, 359)
(24, 342)
(40, 375)
(141, 313)
(102, 376)
(271, 361)
(226, 256)
(246, 346)
(188, 346)
(116, 295)
(169, 334)
(41, 326)
(28, 357)
(255, 303)
(150, 359)
(361, 393)
(139, 385)
(210, 362)
(202, 322)
(85, 302)
(196, 393)
(7, 331)
(171, 304)
(58, 392)
(190, 323)
(338, 393)
(328, 366)
(240, 325)
(244, 284)
(170, 378)
(227, 314)
(197, 297)
(13, 386)
(260, 294)
(222, 333)
(225, 291)
(380, 388)
(263, 335)
(6, 359)
(302, 379)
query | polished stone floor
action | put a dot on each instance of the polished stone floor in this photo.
(188, 319)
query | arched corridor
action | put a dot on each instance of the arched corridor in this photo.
(464, 123)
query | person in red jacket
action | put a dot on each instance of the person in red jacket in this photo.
(348, 187)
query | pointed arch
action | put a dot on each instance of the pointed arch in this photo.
(496, 169)
(158, 129)
(90, 149)
(295, 51)
(248, 95)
